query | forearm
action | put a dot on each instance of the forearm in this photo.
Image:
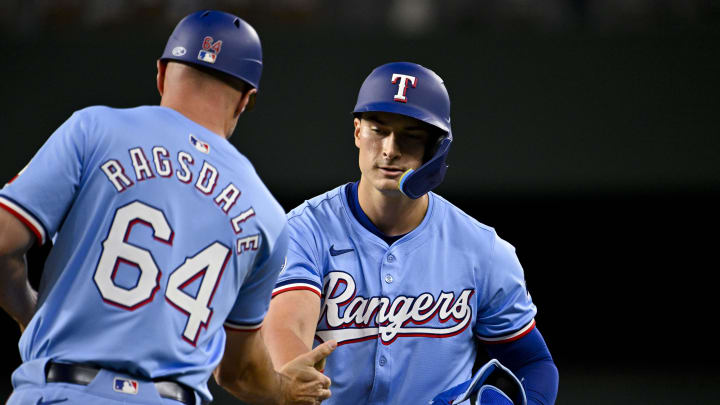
(264, 387)
(247, 372)
(17, 297)
(290, 325)
(252, 378)
(284, 345)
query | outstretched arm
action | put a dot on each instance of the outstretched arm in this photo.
(247, 372)
(17, 297)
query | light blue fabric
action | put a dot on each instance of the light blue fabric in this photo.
(164, 232)
(404, 315)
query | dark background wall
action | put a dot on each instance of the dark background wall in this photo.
(586, 133)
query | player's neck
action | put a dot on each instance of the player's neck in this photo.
(392, 213)
(202, 113)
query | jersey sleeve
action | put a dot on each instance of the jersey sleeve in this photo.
(302, 270)
(253, 300)
(505, 310)
(43, 192)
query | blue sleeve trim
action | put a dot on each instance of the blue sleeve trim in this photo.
(297, 281)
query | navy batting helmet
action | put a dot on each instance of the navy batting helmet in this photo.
(415, 91)
(219, 41)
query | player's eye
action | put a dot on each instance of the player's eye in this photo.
(415, 136)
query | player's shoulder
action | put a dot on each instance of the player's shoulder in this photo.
(460, 219)
(467, 230)
(318, 207)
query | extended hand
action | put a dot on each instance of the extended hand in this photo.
(304, 384)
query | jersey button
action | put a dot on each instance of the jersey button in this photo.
(390, 258)
(382, 360)
(388, 278)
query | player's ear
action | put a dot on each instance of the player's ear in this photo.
(247, 101)
(356, 123)
(161, 66)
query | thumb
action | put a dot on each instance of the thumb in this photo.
(321, 352)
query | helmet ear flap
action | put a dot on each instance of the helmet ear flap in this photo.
(433, 145)
(416, 183)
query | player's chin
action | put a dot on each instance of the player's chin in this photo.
(387, 186)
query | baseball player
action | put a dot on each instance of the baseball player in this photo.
(403, 280)
(167, 244)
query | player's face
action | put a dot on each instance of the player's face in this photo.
(389, 145)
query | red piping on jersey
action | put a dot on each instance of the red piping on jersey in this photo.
(296, 288)
(27, 223)
(512, 339)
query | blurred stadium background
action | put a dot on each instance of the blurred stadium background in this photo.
(586, 132)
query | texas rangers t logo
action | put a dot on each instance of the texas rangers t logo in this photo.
(402, 87)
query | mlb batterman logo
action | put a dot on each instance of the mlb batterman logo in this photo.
(210, 50)
(199, 145)
(125, 385)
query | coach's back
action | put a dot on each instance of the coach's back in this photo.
(162, 230)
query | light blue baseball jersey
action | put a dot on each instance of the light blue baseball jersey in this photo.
(405, 316)
(164, 233)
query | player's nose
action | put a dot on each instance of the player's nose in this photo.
(391, 148)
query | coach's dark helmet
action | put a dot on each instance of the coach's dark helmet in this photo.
(415, 91)
(218, 41)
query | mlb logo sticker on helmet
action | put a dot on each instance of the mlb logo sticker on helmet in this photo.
(206, 56)
(125, 385)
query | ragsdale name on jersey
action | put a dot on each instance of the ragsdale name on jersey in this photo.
(205, 182)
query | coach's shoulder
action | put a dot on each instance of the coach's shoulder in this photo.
(98, 111)
(102, 117)
(320, 205)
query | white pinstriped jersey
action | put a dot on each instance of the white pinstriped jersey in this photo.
(406, 315)
(164, 233)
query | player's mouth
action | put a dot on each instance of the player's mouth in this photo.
(391, 171)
